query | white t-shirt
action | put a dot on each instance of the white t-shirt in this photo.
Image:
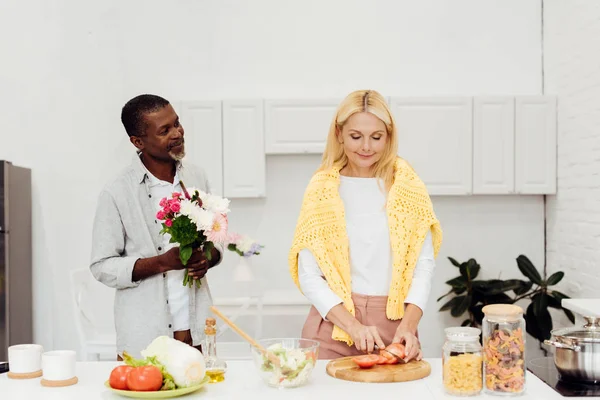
(370, 251)
(177, 294)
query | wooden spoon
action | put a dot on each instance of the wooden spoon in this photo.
(270, 356)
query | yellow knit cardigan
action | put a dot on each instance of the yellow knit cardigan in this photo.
(321, 228)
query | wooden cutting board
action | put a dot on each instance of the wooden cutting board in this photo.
(344, 368)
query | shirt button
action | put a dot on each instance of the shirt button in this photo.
(169, 325)
(164, 275)
(167, 301)
(149, 195)
(160, 248)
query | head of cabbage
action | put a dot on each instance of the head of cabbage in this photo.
(182, 363)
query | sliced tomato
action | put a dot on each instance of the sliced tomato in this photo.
(387, 355)
(382, 360)
(392, 361)
(397, 350)
(366, 361)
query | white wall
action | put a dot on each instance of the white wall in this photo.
(73, 65)
(572, 70)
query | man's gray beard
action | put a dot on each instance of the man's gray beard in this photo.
(177, 156)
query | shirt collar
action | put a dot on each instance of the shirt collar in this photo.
(142, 173)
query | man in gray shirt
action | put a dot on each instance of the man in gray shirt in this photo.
(128, 251)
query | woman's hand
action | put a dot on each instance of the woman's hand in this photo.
(365, 337)
(410, 342)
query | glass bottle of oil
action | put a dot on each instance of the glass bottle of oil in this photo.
(215, 367)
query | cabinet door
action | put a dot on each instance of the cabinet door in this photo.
(298, 126)
(494, 145)
(435, 136)
(535, 149)
(204, 139)
(244, 149)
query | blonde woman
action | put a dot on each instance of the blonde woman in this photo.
(366, 239)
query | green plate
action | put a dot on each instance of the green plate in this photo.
(160, 394)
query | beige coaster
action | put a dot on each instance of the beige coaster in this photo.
(67, 382)
(28, 375)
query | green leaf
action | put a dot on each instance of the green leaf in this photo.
(478, 313)
(450, 304)
(540, 304)
(555, 278)
(466, 322)
(462, 306)
(442, 296)
(458, 282)
(183, 231)
(454, 262)
(185, 253)
(544, 322)
(523, 287)
(470, 269)
(499, 298)
(556, 302)
(529, 270)
(531, 323)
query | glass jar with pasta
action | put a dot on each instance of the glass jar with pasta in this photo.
(461, 360)
(503, 349)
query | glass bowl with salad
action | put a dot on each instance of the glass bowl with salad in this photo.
(291, 363)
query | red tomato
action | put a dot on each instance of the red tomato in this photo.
(366, 361)
(397, 350)
(118, 377)
(311, 355)
(145, 379)
(382, 360)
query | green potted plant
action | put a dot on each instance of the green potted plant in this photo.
(470, 295)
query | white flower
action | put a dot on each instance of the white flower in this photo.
(202, 218)
(244, 244)
(187, 208)
(216, 204)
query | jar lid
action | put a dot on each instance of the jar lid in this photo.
(503, 312)
(462, 333)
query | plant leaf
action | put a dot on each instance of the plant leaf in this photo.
(540, 304)
(470, 269)
(444, 295)
(454, 262)
(569, 315)
(185, 252)
(466, 322)
(500, 298)
(462, 306)
(555, 278)
(450, 304)
(544, 321)
(458, 282)
(531, 324)
(556, 302)
(477, 313)
(523, 288)
(528, 269)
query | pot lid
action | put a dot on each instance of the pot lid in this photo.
(578, 335)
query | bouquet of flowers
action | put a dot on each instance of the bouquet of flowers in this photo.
(198, 220)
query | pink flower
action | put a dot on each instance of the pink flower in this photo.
(163, 202)
(160, 215)
(169, 223)
(175, 206)
(218, 231)
(233, 237)
(176, 195)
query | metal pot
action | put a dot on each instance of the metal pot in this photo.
(577, 355)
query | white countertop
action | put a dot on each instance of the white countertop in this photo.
(243, 382)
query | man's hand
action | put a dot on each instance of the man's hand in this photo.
(197, 265)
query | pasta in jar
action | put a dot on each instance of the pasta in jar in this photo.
(462, 362)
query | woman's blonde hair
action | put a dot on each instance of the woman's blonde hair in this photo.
(362, 101)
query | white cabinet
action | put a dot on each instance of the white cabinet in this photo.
(298, 126)
(435, 136)
(535, 145)
(201, 121)
(243, 149)
(493, 145)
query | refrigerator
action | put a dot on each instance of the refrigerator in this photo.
(16, 317)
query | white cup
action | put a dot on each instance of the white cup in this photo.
(58, 365)
(25, 358)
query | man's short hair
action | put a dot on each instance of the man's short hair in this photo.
(132, 114)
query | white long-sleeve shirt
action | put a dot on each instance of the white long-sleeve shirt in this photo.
(371, 260)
